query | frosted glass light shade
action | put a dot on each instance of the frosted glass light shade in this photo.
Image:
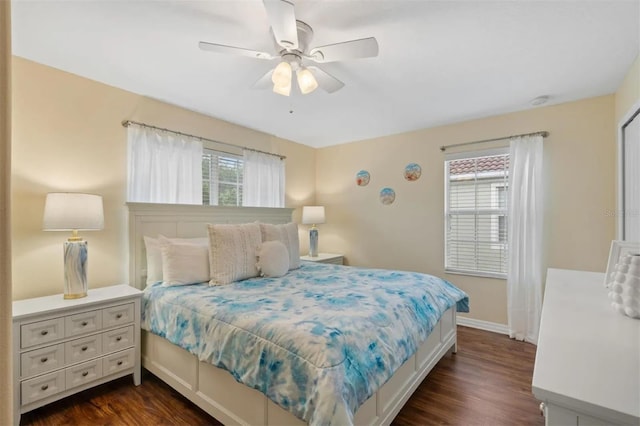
(306, 81)
(67, 211)
(282, 74)
(312, 215)
(284, 90)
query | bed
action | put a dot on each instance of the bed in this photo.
(366, 386)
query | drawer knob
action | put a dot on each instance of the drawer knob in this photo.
(85, 374)
(84, 348)
(44, 359)
(118, 316)
(118, 338)
(84, 323)
(44, 387)
(119, 362)
(44, 332)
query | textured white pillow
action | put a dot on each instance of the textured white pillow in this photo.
(184, 264)
(286, 234)
(154, 254)
(273, 259)
(233, 252)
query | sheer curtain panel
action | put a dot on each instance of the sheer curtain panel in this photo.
(163, 167)
(524, 267)
(263, 180)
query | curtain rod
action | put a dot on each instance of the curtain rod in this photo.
(126, 123)
(544, 134)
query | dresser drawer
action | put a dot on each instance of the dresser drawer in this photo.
(119, 361)
(41, 360)
(82, 349)
(83, 373)
(41, 332)
(82, 323)
(117, 339)
(117, 315)
(42, 386)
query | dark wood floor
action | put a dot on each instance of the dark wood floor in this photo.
(488, 382)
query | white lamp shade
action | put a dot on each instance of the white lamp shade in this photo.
(312, 215)
(66, 211)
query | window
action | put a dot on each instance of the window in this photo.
(476, 219)
(221, 178)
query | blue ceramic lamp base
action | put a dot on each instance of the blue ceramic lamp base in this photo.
(75, 269)
(313, 241)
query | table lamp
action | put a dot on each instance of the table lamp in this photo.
(313, 215)
(66, 211)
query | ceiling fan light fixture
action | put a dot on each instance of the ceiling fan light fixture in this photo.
(282, 75)
(306, 81)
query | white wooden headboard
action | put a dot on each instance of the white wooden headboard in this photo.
(187, 221)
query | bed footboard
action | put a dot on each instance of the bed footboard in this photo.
(216, 391)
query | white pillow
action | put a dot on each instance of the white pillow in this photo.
(286, 234)
(273, 259)
(184, 264)
(233, 252)
(154, 254)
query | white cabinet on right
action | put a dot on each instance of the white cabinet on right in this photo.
(587, 369)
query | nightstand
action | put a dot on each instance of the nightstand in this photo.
(336, 259)
(61, 347)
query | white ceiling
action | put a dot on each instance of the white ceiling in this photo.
(440, 61)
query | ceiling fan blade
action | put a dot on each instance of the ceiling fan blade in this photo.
(264, 82)
(326, 81)
(354, 49)
(282, 18)
(221, 48)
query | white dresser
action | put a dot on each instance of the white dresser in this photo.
(61, 347)
(587, 369)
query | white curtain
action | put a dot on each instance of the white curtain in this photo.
(524, 267)
(163, 167)
(263, 184)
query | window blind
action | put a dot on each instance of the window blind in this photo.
(476, 220)
(222, 178)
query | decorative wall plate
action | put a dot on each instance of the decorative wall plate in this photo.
(387, 196)
(362, 178)
(412, 172)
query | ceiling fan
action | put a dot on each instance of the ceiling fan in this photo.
(292, 38)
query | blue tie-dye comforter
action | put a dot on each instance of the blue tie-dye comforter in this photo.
(318, 341)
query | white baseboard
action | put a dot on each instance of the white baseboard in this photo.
(483, 325)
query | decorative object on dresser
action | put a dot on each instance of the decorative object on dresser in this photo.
(61, 347)
(313, 215)
(617, 251)
(66, 211)
(586, 370)
(336, 259)
(625, 287)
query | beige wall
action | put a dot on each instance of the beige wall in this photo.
(580, 158)
(6, 372)
(67, 137)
